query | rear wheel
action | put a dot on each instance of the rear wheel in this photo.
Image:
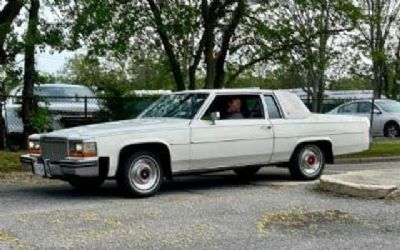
(141, 175)
(246, 173)
(307, 163)
(391, 130)
(86, 184)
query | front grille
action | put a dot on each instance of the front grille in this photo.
(54, 149)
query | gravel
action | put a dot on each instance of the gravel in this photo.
(216, 211)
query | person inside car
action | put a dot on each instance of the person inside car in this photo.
(233, 109)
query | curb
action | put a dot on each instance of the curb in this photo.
(366, 160)
(332, 184)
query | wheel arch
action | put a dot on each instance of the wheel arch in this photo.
(391, 121)
(325, 144)
(159, 148)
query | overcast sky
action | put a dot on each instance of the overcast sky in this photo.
(49, 63)
(52, 63)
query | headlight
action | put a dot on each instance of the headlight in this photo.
(82, 149)
(34, 147)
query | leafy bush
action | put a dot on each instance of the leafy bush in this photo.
(41, 120)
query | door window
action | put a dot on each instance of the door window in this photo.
(349, 108)
(364, 107)
(236, 107)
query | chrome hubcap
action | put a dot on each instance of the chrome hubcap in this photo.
(310, 161)
(144, 173)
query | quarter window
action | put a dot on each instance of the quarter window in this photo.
(272, 107)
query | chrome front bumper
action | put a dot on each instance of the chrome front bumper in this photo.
(63, 168)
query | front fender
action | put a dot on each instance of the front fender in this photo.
(114, 152)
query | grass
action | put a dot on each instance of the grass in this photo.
(378, 149)
(9, 162)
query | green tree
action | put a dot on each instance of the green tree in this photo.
(199, 39)
(7, 15)
(116, 74)
(314, 26)
(376, 28)
(32, 38)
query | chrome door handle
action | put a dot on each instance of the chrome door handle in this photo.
(266, 127)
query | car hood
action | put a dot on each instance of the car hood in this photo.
(122, 127)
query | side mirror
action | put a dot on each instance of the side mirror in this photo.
(377, 112)
(215, 116)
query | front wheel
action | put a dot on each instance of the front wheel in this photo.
(141, 174)
(307, 163)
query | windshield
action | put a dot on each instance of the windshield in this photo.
(184, 106)
(68, 94)
(390, 106)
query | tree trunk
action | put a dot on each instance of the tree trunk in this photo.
(7, 15)
(314, 101)
(377, 80)
(209, 44)
(194, 64)
(3, 129)
(174, 63)
(226, 40)
(209, 14)
(32, 37)
(210, 71)
(396, 77)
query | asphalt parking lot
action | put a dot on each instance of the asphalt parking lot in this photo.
(215, 211)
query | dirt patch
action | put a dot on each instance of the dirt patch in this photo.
(295, 219)
(25, 178)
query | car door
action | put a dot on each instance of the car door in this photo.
(364, 110)
(231, 142)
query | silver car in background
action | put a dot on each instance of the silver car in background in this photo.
(66, 103)
(386, 120)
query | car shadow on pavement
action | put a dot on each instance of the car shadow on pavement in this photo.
(197, 183)
(221, 181)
